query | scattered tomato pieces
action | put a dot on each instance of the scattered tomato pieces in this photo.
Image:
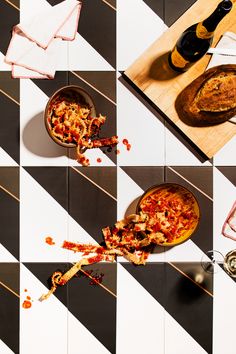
(49, 241)
(27, 304)
(127, 144)
(117, 152)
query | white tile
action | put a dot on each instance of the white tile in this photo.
(4, 349)
(226, 156)
(185, 252)
(223, 317)
(36, 146)
(128, 194)
(140, 318)
(6, 256)
(224, 197)
(144, 131)
(80, 340)
(178, 154)
(5, 159)
(41, 216)
(3, 65)
(137, 28)
(178, 340)
(77, 234)
(82, 56)
(43, 327)
(93, 155)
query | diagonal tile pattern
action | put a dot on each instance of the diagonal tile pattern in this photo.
(9, 305)
(45, 193)
(9, 101)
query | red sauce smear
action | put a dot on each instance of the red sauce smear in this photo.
(26, 304)
(99, 160)
(117, 152)
(127, 144)
(49, 241)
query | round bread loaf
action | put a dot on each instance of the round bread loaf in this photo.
(209, 99)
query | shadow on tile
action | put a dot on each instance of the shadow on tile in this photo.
(38, 142)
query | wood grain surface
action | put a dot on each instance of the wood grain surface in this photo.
(152, 75)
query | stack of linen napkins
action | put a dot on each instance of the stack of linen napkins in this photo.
(224, 53)
(35, 44)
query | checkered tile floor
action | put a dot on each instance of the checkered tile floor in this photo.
(160, 308)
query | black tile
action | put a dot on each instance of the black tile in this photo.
(94, 306)
(54, 2)
(9, 306)
(145, 176)
(90, 206)
(190, 306)
(229, 172)
(103, 106)
(9, 85)
(9, 179)
(101, 177)
(103, 81)
(158, 6)
(9, 221)
(151, 277)
(50, 86)
(175, 8)
(97, 25)
(54, 180)
(222, 267)
(200, 176)
(203, 236)
(9, 121)
(43, 272)
(9, 17)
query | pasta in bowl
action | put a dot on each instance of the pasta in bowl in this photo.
(71, 121)
(171, 213)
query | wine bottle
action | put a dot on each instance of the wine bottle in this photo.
(196, 40)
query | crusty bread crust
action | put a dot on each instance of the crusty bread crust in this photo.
(209, 99)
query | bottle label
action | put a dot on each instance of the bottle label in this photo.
(177, 59)
(202, 32)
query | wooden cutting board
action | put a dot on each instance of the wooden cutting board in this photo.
(152, 75)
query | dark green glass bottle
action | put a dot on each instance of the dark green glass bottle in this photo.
(196, 40)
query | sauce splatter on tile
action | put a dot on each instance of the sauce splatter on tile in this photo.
(127, 144)
(27, 304)
(49, 241)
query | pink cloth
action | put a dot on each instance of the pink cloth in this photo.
(229, 227)
(35, 45)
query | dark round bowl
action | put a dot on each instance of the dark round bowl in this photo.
(83, 98)
(188, 233)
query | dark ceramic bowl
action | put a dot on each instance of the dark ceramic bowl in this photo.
(180, 190)
(81, 96)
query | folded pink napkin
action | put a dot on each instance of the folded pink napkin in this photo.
(35, 45)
